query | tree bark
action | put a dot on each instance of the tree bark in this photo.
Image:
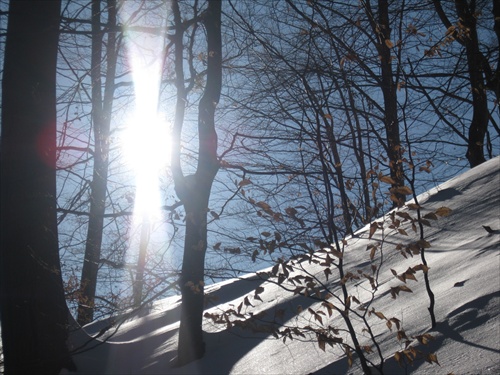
(480, 116)
(476, 65)
(380, 25)
(494, 80)
(33, 308)
(388, 86)
(141, 261)
(101, 120)
(194, 190)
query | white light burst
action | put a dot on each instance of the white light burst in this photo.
(145, 142)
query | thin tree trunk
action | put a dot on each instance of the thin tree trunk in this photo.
(321, 120)
(33, 308)
(141, 261)
(101, 119)
(391, 123)
(394, 150)
(194, 191)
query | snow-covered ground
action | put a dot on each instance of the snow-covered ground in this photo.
(464, 261)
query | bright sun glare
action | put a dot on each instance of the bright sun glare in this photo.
(145, 142)
(146, 150)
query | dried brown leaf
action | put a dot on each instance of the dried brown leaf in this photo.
(321, 342)
(443, 211)
(404, 215)
(244, 182)
(405, 190)
(431, 357)
(336, 253)
(327, 272)
(423, 244)
(425, 222)
(373, 228)
(404, 288)
(387, 180)
(431, 216)
(399, 359)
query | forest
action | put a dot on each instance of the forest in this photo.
(152, 148)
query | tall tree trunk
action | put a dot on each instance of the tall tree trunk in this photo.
(101, 120)
(194, 190)
(381, 27)
(494, 80)
(394, 150)
(480, 116)
(477, 66)
(33, 308)
(141, 261)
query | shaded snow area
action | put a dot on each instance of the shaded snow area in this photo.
(464, 261)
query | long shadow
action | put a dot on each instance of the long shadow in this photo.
(156, 330)
(153, 320)
(242, 340)
(486, 177)
(442, 195)
(227, 292)
(469, 316)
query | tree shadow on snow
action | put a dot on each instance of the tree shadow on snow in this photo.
(467, 317)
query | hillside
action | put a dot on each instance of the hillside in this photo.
(464, 261)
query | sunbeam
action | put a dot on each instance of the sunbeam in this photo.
(145, 141)
(146, 148)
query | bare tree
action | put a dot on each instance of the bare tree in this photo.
(194, 190)
(481, 75)
(101, 120)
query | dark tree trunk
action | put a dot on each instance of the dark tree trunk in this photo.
(101, 120)
(480, 74)
(480, 116)
(33, 308)
(194, 190)
(388, 85)
(380, 25)
(494, 79)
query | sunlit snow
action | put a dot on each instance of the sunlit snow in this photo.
(464, 265)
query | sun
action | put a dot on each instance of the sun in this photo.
(145, 140)
(146, 149)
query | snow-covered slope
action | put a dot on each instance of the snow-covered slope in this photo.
(464, 261)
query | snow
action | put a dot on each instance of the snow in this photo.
(464, 273)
